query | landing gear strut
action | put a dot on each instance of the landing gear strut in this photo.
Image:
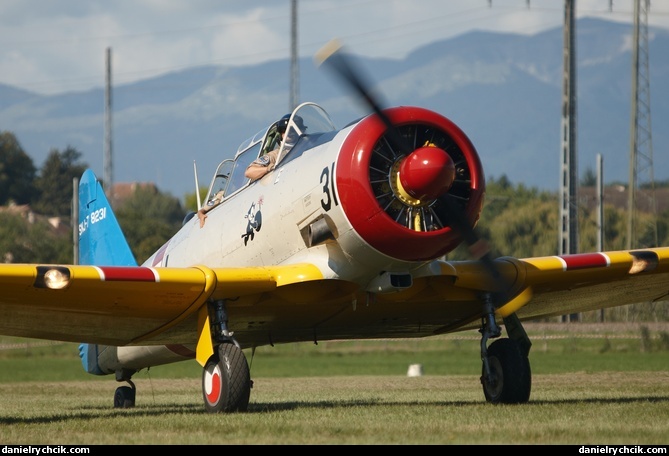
(124, 397)
(506, 376)
(226, 381)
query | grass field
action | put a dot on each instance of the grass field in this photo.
(591, 385)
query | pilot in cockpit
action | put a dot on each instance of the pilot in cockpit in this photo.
(293, 134)
(266, 162)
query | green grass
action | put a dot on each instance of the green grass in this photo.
(599, 387)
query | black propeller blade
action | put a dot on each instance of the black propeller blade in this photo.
(333, 55)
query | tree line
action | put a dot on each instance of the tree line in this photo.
(148, 217)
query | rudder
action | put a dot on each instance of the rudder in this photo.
(101, 240)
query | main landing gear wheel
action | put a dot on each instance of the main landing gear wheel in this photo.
(510, 379)
(226, 381)
(124, 397)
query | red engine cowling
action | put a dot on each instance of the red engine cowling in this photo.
(395, 199)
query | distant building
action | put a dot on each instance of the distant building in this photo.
(121, 191)
(616, 196)
(23, 210)
(60, 225)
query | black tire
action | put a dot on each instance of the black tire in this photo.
(511, 378)
(226, 381)
(124, 397)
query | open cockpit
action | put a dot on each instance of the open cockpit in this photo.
(306, 124)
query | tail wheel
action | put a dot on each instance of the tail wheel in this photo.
(510, 378)
(124, 397)
(226, 381)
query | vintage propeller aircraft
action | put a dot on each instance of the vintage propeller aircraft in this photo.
(345, 239)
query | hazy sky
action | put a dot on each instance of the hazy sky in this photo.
(55, 46)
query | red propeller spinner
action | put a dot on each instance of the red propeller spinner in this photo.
(427, 173)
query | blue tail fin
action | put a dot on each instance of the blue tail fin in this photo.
(101, 243)
(101, 240)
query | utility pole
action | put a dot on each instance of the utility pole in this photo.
(600, 213)
(568, 237)
(600, 204)
(641, 146)
(294, 70)
(568, 230)
(107, 153)
(75, 220)
(568, 242)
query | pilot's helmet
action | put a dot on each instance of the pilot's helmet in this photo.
(300, 123)
(282, 124)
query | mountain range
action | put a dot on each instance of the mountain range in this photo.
(503, 90)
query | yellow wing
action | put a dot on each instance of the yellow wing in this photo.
(560, 285)
(591, 281)
(144, 306)
(123, 305)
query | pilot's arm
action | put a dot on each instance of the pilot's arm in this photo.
(262, 165)
(202, 213)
